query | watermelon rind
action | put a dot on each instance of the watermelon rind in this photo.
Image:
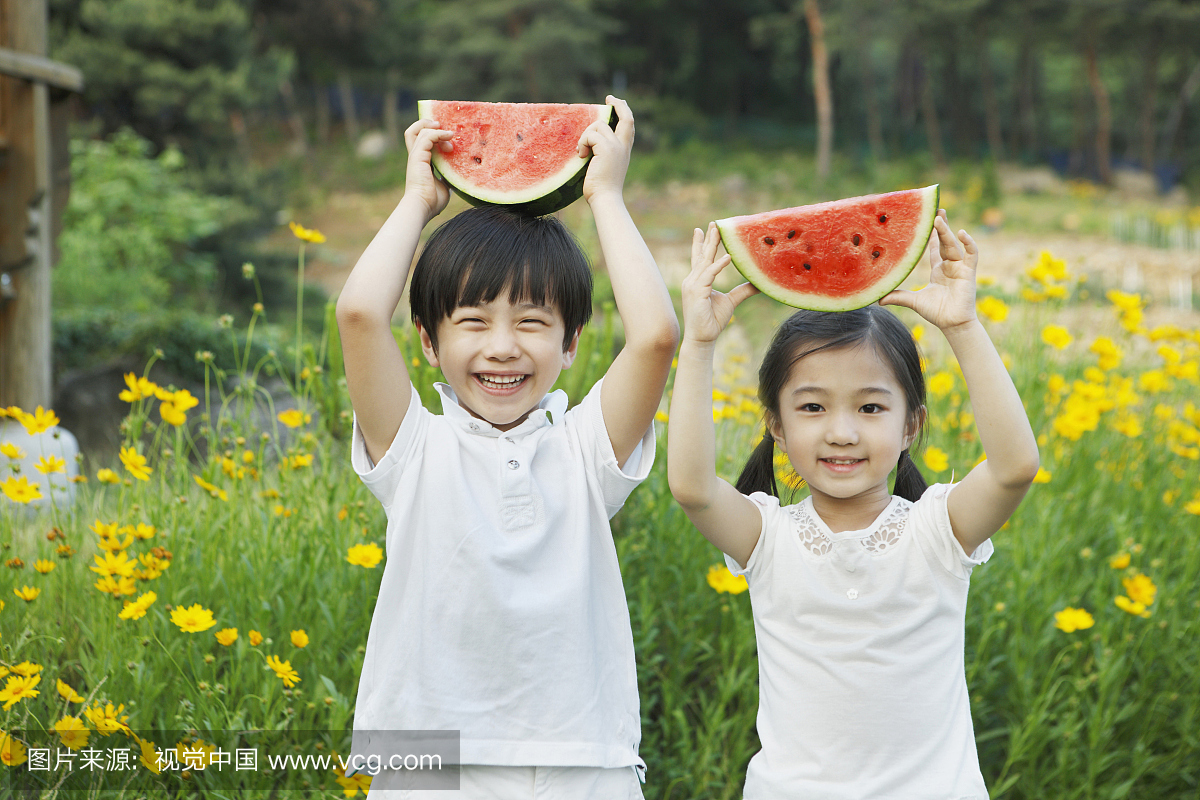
(554, 193)
(747, 265)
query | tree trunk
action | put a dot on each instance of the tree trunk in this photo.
(323, 113)
(1103, 114)
(349, 113)
(874, 121)
(991, 108)
(933, 133)
(1076, 158)
(1171, 128)
(960, 128)
(821, 89)
(1149, 103)
(1026, 81)
(295, 120)
(391, 108)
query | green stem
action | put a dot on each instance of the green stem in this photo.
(299, 315)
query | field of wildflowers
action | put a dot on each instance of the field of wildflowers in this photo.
(219, 579)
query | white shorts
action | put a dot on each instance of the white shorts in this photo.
(483, 782)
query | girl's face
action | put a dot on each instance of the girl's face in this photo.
(843, 423)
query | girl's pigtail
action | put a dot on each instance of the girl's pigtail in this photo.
(759, 473)
(910, 483)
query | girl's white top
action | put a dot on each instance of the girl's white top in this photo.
(501, 612)
(862, 691)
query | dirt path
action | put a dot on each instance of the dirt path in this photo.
(349, 220)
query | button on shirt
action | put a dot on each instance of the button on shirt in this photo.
(501, 611)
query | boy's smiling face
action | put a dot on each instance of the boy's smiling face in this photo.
(500, 357)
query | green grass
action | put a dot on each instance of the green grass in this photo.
(1105, 712)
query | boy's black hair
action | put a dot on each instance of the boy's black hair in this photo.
(476, 255)
(808, 332)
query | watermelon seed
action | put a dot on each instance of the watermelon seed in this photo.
(808, 266)
(519, 138)
(882, 218)
(791, 234)
(874, 254)
(769, 240)
(857, 240)
(477, 159)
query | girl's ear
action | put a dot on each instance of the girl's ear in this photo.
(572, 349)
(776, 431)
(915, 424)
(427, 344)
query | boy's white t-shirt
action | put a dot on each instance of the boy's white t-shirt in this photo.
(501, 611)
(862, 691)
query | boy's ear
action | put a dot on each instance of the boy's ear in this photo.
(572, 349)
(427, 344)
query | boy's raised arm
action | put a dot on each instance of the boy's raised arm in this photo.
(376, 375)
(635, 381)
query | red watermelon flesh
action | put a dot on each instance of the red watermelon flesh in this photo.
(514, 154)
(833, 256)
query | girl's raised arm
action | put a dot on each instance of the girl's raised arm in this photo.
(720, 512)
(988, 495)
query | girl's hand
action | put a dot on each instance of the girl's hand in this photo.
(706, 311)
(949, 299)
(610, 152)
(419, 181)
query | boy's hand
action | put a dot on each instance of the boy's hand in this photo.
(610, 152)
(706, 311)
(949, 299)
(419, 181)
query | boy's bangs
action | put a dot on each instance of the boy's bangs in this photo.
(523, 284)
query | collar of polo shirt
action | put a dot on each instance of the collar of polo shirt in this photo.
(552, 407)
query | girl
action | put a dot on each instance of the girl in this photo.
(859, 595)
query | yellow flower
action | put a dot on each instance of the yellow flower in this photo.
(135, 462)
(48, 465)
(18, 688)
(12, 752)
(1073, 619)
(194, 619)
(39, 421)
(108, 476)
(107, 719)
(27, 593)
(1131, 606)
(20, 490)
(1043, 475)
(1140, 589)
(365, 555)
(27, 668)
(144, 531)
(171, 414)
(300, 461)
(12, 451)
(149, 755)
(227, 636)
(306, 235)
(993, 308)
(136, 609)
(212, 490)
(72, 732)
(918, 333)
(936, 459)
(722, 580)
(138, 388)
(116, 564)
(294, 417)
(255, 638)
(1119, 561)
(1056, 336)
(661, 416)
(68, 693)
(940, 383)
(1129, 425)
(116, 586)
(283, 669)
(299, 638)
(43, 566)
(1123, 301)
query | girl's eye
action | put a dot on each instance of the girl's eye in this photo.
(811, 408)
(872, 408)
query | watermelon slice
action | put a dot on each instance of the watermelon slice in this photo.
(520, 155)
(833, 256)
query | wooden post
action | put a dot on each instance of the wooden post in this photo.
(27, 207)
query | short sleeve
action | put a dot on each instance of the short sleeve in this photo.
(586, 421)
(383, 478)
(929, 521)
(772, 517)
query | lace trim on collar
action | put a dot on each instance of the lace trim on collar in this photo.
(881, 536)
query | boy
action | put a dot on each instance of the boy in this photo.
(501, 612)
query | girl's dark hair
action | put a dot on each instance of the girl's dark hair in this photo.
(808, 332)
(476, 255)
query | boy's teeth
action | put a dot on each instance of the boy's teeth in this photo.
(507, 380)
